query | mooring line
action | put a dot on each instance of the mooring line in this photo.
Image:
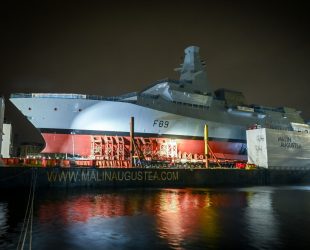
(24, 222)
(28, 214)
(32, 204)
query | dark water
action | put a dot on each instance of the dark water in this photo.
(243, 218)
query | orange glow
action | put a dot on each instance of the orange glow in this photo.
(178, 212)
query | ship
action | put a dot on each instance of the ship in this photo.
(170, 117)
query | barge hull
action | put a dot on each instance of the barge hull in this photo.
(20, 177)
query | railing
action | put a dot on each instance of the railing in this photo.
(72, 96)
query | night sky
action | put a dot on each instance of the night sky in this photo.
(261, 48)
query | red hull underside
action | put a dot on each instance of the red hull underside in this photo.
(83, 145)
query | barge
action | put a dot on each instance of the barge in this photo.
(84, 177)
(171, 117)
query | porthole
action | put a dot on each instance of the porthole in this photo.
(55, 109)
(29, 108)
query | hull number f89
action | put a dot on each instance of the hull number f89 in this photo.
(161, 123)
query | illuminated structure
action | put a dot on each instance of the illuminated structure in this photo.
(170, 116)
(6, 140)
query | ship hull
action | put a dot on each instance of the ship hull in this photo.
(77, 144)
(69, 125)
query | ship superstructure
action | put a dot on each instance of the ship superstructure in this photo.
(170, 116)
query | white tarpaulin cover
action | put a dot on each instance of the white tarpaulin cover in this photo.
(278, 148)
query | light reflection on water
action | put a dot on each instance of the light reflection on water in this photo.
(3, 219)
(247, 218)
(262, 221)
